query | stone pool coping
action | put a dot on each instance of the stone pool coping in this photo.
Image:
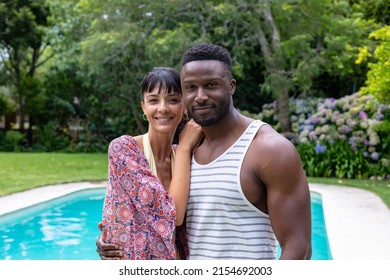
(357, 222)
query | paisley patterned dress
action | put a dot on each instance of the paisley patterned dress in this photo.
(138, 213)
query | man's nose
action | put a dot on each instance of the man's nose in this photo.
(201, 95)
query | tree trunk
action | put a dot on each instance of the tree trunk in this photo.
(138, 118)
(282, 110)
(21, 112)
(270, 47)
(30, 132)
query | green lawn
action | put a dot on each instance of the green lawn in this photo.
(23, 171)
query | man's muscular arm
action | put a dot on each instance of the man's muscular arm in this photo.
(288, 194)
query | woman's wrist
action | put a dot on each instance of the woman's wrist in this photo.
(181, 148)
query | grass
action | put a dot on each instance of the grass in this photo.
(23, 171)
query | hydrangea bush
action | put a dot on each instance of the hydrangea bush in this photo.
(345, 138)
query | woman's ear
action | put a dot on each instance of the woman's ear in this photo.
(185, 115)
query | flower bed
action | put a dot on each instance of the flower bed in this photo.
(345, 138)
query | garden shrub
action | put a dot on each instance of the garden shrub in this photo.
(12, 140)
(50, 138)
(344, 138)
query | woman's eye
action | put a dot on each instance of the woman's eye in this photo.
(175, 100)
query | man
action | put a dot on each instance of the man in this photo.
(248, 189)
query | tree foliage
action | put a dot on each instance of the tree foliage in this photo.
(378, 76)
(88, 93)
(22, 46)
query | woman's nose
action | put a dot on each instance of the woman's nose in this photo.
(163, 108)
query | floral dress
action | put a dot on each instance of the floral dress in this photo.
(138, 213)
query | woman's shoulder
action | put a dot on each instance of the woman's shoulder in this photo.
(124, 142)
(123, 139)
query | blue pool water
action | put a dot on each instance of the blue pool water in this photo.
(66, 229)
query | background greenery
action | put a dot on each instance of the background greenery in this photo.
(70, 71)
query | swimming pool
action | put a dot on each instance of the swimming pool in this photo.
(66, 229)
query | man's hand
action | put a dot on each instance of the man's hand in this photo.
(107, 251)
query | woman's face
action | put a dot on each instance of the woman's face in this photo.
(163, 110)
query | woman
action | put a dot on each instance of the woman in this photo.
(148, 177)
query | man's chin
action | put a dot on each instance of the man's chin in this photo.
(205, 122)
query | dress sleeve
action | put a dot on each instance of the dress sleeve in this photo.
(138, 213)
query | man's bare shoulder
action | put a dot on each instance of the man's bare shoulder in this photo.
(275, 160)
(271, 149)
(268, 138)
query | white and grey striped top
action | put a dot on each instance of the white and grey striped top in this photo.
(221, 222)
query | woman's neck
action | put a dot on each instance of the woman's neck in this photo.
(161, 145)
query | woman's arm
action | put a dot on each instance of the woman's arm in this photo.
(180, 183)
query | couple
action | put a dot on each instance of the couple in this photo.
(238, 184)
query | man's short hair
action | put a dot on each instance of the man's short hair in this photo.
(208, 52)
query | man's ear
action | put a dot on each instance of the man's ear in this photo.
(232, 86)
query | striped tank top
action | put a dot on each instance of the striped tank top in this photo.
(221, 222)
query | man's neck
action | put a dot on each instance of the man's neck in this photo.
(231, 125)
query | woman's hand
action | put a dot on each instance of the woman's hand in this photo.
(190, 137)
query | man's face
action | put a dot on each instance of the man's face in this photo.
(207, 89)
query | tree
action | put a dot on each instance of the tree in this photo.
(297, 42)
(103, 48)
(22, 46)
(378, 76)
(125, 40)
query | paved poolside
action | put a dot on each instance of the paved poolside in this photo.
(357, 221)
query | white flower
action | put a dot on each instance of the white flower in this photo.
(363, 125)
(303, 139)
(342, 137)
(340, 121)
(374, 138)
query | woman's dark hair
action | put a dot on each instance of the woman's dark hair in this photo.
(179, 129)
(166, 78)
